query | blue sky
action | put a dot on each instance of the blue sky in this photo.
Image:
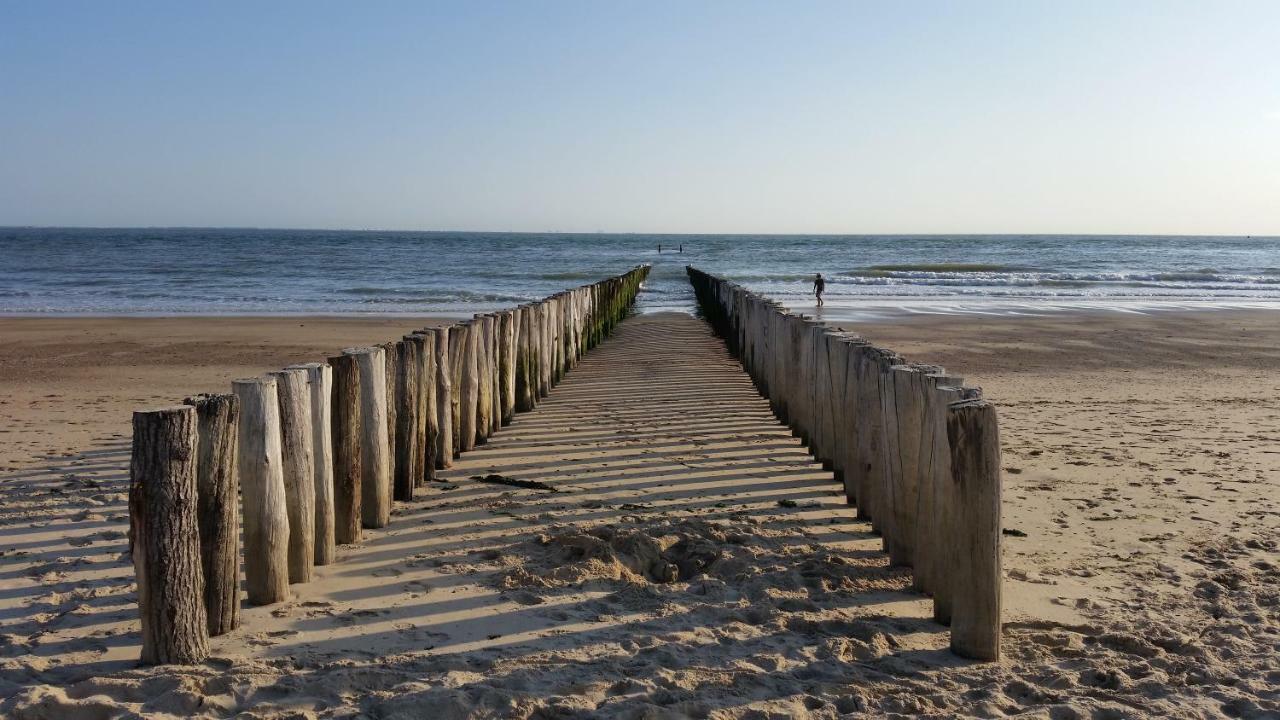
(849, 117)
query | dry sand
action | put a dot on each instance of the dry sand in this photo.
(662, 578)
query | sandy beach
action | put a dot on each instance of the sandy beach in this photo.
(1141, 458)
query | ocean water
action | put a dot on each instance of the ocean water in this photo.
(52, 271)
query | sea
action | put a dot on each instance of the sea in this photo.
(231, 271)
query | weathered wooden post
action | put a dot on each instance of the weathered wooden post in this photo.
(297, 448)
(526, 349)
(930, 543)
(390, 372)
(375, 466)
(347, 452)
(483, 327)
(975, 560)
(467, 378)
(445, 397)
(164, 536)
(266, 515)
(320, 386)
(546, 349)
(495, 373)
(904, 413)
(218, 503)
(408, 398)
(429, 420)
(507, 328)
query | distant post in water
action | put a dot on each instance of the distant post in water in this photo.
(375, 465)
(347, 452)
(165, 537)
(218, 503)
(266, 519)
(975, 580)
(297, 448)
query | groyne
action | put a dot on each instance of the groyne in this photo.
(917, 451)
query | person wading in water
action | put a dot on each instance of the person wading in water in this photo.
(818, 286)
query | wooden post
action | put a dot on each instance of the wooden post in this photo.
(930, 542)
(871, 451)
(297, 449)
(483, 327)
(458, 339)
(495, 373)
(390, 371)
(320, 386)
(375, 466)
(347, 452)
(526, 349)
(164, 537)
(906, 411)
(408, 398)
(468, 378)
(266, 515)
(546, 349)
(444, 398)
(429, 419)
(507, 328)
(975, 582)
(218, 514)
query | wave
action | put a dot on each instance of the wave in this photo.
(877, 270)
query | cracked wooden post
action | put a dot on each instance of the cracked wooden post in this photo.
(526, 351)
(218, 503)
(495, 372)
(266, 518)
(390, 371)
(347, 453)
(507, 328)
(444, 398)
(408, 398)
(428, 423)
(931, 541)
(298, 465)
(164, 536)
(483, 327)
(375, 465)
(466, 382)
(320, 386)
(975, 560)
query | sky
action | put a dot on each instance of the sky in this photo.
(1158, 117)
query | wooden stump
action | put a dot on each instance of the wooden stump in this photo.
(266, 514)
(375, 465)
(975, 582)
(218, 514)
(444, 399)
(165, 537)
(408, 397)
(320, 387)
(347, 453)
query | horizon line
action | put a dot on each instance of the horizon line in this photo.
(633, 233)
